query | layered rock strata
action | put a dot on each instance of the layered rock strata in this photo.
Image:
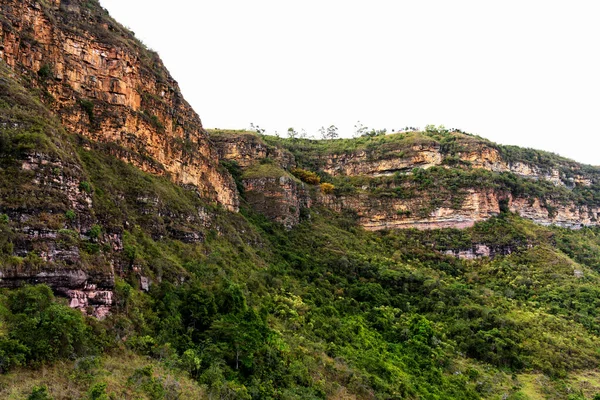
(274, 197)
(105, 85)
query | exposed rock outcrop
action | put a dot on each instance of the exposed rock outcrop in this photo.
(105, 85)
(420, 208)
(247, 148)
(280, 199)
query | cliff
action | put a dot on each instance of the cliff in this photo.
(423, 180)
(114, 196)
(105, 85)
(76, 91)
(80, 93)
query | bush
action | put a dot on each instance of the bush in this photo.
(45, 72)
(39, 393)
(98, 392)
(306, 176)
(327, 188)
(95, 232)
(40, 330)
(70, 215)
(88, 107)
(85, 186)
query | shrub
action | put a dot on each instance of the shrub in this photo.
(327, 188)
(95, 232)
(306, 176)
(39, 393)
(85, 186)
(40, 330)
(88, 107)
(45, 72)
(98, 392)
(70, 215)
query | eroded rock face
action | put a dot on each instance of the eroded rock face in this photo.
(89, 291)
(104, 85)
(554, 213)
(280, 199)
(246, 149)
(362, 163)
(391, 213)
(375, 212)
(403, 160)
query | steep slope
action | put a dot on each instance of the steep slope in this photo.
(105, 85)
(432, 179)
(302, 294)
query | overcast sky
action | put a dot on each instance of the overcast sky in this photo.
(524, 72)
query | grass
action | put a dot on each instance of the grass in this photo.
(583, 384)
(532, 386)
(64, 381)
(267, 170)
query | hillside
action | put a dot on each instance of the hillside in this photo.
(142, 257)
(424, 180)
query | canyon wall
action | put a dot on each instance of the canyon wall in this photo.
(103, 84)
(407, 205)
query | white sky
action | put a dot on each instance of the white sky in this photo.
(524, 72)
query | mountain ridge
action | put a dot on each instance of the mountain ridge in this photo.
(430, 179)
(270, 268)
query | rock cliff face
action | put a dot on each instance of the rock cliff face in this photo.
(105, 85)
(364, 163)
(39, 243)
(430, 154)
(384, 213)
(479, 205)
(381, 202)
(95, 80)
(70, 213)
(280, 199)
(268, 188)
(246, 149)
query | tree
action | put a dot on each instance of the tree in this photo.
(359, 129)
(323, 132)
(39, 393)
(332, 132)
(256, 129)
(240, 336)
(292, 133)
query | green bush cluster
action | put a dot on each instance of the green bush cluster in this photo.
(40, 330)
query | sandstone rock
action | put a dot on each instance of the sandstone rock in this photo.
(111, 89)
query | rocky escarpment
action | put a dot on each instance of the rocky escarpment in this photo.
(47, 224)
(52, 247)
(70, 211)
(247, 148)
(267, 185)
(376, 213)
(422, 152)
(105, 85)
(417, 180)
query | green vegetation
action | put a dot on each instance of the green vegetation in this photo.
(241, 308)
(88, 107)
(306, 176)
(264, 170)
(448, 183)
(327, 188)
(45, 72)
